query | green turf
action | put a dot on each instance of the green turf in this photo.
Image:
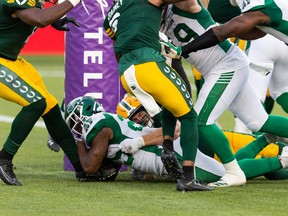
(48, 190)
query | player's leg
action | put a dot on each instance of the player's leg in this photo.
(169, 90)
(16, 87)
(217, 92)
(54, 121)
(279, 81)
(50, 142)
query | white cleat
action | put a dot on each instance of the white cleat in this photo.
(230, 179)
(284, 157)
(234, 176)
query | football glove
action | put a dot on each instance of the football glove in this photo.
(131, 146)
(60, 23)
(170, 50)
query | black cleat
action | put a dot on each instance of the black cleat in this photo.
(171, 164)
(108, 171)
(102, 175)
(52, 144)
(191, 185)
(6, 173)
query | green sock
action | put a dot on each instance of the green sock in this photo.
(277, 125)
(23, 124)
(257, 167)
(60, 133)
(189, 135)
(168, 123)
(252, 149)
(205, 176)
(217, 141)
(282, 100)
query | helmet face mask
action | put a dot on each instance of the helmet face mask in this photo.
(142, 117)
(131, 108)
(78, 110)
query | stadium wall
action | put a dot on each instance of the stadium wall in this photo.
(45, 41)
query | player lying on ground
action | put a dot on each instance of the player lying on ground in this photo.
(105, 135)
(130, 107)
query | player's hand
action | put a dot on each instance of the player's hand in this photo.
(131, 146)
(170, 50)
(60, 24)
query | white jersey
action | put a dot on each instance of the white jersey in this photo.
(277, 10)
(183, 27)
(147, 159)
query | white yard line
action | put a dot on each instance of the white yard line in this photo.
(9, 119)
(52, 73)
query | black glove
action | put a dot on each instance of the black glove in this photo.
(107, 172)
(59, 24)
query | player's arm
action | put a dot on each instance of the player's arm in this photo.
(243, 24)
(92, 159)
(238, 26)
(155, 137)
(44, 17)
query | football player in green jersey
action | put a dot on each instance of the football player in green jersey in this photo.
(134, 26)
(21, 83)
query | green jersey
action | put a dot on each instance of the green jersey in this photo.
(14, 33)
(134, 25)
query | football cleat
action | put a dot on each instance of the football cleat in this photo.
(191, 185)
(108, 171)
(52, 144)
(230, 179)
(6, 173)
(284, 157)
(171, 164)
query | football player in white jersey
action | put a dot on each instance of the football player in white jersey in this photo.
(225, 69)
(101, 134)
(258, 18)
(267, 55)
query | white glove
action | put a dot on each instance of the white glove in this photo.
(170, 50)
(131, 146)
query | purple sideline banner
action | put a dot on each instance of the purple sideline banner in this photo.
(90, 64)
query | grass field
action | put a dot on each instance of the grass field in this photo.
(48, 190)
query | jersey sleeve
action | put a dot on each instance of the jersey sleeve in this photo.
(94, 124)
(109, 30)
(24, 4)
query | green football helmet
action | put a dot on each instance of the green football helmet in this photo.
(78, 110)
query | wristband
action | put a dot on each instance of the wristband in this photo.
(74, 2)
